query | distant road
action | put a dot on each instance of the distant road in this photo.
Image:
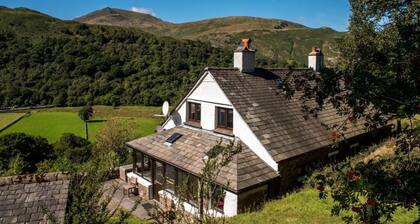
(12, 109)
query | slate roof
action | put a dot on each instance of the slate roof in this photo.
(27, 199)
(187, 153)
(278, 122)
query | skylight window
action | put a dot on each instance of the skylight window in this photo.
(175, 136)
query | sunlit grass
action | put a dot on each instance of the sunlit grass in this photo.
(304, 206)
(8, 118)
(52, 123)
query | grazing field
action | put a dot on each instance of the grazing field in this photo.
(8, 118)
(53, 122)
(304, 206)
(52, 125)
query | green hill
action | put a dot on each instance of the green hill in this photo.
(44, 60)
(276, 39)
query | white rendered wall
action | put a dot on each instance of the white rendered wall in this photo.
(230, 207)
(209, 94)
(315, 62)
(244, 60)
(140, 180)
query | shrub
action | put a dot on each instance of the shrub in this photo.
(30, 149)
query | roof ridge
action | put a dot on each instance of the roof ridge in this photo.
(221, 68)
(233, 68)
(298, 69)
(33, 178)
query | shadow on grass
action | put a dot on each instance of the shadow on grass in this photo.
(97, 121)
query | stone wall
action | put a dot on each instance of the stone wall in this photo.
(144, 191)
(33, 178)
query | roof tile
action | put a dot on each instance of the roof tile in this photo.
(276, 120)
(240, 173)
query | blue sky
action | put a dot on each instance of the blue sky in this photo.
(312, 13)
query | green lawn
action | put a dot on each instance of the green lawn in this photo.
(52, 123)
(8, 118)
(303, 206)
(145, 126)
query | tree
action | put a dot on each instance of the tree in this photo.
(85, 114)
(376, 81)
(23, 151)
(376, 77)
(76, 149)
(372, 189)
(74, 65)
(112, 138)
(88, 200)
(72, 153)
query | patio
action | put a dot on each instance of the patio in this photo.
(127, 202)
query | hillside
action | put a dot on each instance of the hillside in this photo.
(48, 61)
(119, 17)
(305, 206)
(276, 39)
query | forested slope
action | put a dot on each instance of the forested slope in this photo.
(44, 60)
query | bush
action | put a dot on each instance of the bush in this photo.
(77, 149)
(30, 150)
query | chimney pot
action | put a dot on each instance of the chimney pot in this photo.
(244, 57)
(246, 44)
(316, 59)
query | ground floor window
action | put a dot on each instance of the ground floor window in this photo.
(217, 197)
(142, 165)
(171, 177)
(176, 181)
(188, 187)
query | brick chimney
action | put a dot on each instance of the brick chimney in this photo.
(244, 57)
(316, 59)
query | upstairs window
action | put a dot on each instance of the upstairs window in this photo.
(194, 112)
(224, 118)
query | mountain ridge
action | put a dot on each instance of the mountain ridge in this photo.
(279, 40)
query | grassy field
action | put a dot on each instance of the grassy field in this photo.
(53, 122)
(304, 206)
(8, 118)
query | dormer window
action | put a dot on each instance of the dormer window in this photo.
(194, 112)
(224, 118)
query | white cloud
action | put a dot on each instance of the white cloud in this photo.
(143, 10)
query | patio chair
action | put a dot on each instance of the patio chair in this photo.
(131, 186)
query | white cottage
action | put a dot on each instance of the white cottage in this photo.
(246, 104)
